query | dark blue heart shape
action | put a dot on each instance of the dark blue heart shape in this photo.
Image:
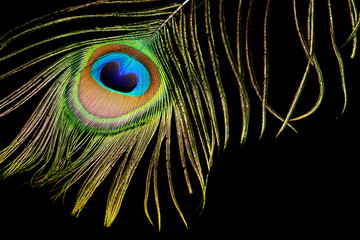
(111, 78)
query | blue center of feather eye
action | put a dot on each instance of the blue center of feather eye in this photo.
(121, 73)
(111, 78)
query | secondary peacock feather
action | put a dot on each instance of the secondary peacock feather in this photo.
(129, 73)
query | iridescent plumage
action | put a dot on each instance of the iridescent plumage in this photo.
(154, 70)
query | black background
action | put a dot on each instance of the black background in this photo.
(295, 185)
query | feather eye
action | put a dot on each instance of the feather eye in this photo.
(118, 85)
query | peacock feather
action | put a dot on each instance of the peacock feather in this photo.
(133, 74)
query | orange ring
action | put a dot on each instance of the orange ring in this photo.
(101, 102)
